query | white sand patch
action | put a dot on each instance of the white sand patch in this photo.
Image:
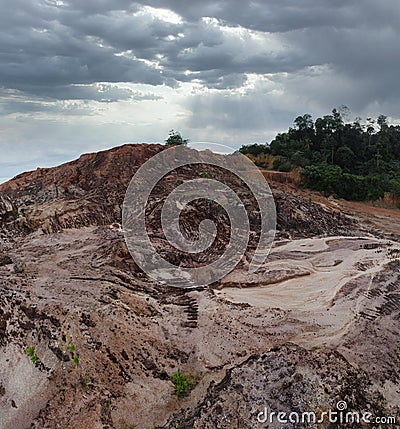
(331, 263)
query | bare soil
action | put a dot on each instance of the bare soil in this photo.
(318, 324)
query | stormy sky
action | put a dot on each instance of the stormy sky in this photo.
(79, 76)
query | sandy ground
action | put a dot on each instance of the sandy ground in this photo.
(329, 262)
(320, 271)
(131, 336)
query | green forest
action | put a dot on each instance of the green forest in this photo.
(357, 160)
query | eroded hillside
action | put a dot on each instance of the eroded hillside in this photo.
(318, 324)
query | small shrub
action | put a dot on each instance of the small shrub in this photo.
(32, 355)
(75, 360)
(175, 138)
(183, 383)
(205, 175)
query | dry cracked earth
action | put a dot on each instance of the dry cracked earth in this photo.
(315, 328)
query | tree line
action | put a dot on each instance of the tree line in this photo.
(357, 160)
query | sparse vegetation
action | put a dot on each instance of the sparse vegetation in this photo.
(86, 380)
(75, 360)
(32, 355)
(255, 149)
(74, 356)
(183, 383)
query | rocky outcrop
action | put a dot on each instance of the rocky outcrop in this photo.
(298, 216)
(303, 385)
(91, 190)
(87, 191)
(8, 211)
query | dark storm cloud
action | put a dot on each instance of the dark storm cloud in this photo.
(49, 43)
(38, 51)
(317, 54)
(289, 15)
(358, 40)
(46, 46)
(101, 92)
(271, 16)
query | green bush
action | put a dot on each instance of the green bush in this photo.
(394, 187)
(282, 164)
(322, 177)
(32, 355)
(351, 187)
(376, 186)
(255, 149)
(183, 383)
(75, 360)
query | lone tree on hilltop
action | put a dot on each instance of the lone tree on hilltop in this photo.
(175, 138)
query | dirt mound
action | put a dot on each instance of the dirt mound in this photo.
(88, 191)
(91, 190)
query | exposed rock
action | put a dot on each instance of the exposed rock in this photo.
(302, 384)
(91, 190)
(88, 191)
(301, 217)
(108, 339)
(5, 260)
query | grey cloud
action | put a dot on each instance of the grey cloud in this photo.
(288, 15)
(61, 58)
(23, 106)
(101, 92)
(228, 81)
(363, 63)
(258, 109)
(48, 46)
(93, 64)
(39, 52)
